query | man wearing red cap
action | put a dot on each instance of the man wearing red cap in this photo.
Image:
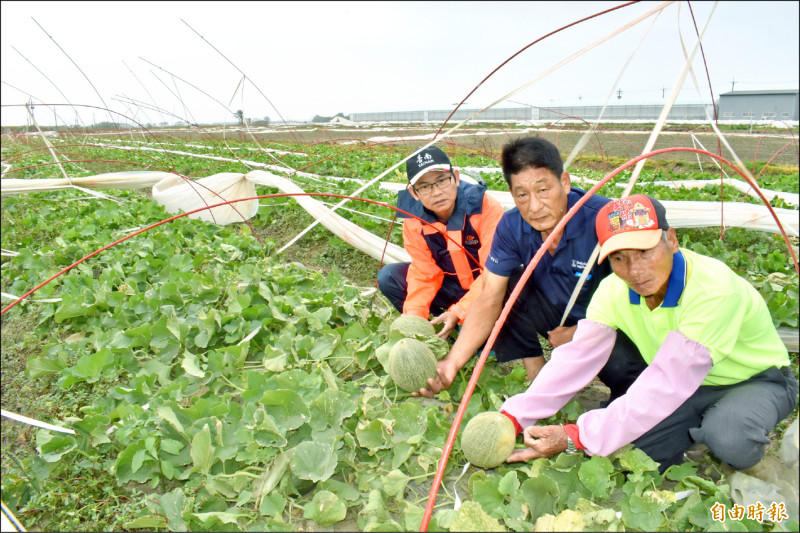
(443, 277)
(716, 370)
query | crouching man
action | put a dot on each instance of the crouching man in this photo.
(444, 276)
(716, 370)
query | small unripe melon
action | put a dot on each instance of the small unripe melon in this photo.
(410, 325)
(411, 363)
(488, 439)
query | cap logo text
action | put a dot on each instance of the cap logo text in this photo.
(625, 216)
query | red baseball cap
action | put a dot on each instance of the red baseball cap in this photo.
(634, 222)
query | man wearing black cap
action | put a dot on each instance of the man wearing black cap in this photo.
(443, 277)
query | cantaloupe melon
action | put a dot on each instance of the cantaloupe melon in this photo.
(488, 439)
(411, 363)
(411, 325)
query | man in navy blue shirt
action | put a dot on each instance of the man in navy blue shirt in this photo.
(542, 193)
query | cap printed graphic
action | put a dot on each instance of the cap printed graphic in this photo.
(634, 222)
(429, 159)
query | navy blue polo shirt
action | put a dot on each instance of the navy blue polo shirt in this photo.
(516, 242)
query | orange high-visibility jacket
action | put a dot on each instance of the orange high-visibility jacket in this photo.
(433, 256)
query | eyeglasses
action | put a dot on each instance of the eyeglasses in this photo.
(427, 188)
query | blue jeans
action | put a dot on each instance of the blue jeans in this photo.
(392, 283)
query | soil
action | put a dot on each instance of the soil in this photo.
(622, 142)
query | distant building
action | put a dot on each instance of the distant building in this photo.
(759, 105)
(734, 106)
(439, 115)
(341, 121)
(619, 113)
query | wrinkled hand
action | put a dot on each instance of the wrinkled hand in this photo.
(561, 335)
(449, 319)
(542, 441)
(445, 374)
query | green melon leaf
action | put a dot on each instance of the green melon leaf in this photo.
(330, 408)
(595, 474)
(55, 447)
(541, 494)
(286, 407)
(642, 513)
(315, 461)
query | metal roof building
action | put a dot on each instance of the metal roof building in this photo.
(759, 105)
(584, 112)
(734, 106)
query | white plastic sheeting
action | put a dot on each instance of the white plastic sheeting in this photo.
(179, 195)
(113, 180)
(352, 234)
(690, 214)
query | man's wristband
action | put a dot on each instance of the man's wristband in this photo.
(573, 441)
(571, 449)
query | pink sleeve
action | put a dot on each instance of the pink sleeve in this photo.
(677, 370)
(572, 366)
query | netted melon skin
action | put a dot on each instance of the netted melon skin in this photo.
(411, 325)
(411, 363)
(488, 439)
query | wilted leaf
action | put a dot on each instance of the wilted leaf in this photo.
(325, 508)
(225, 518)
(172, 505)
(202, 451)
(191, 365)
(395, 483)
(471, 517)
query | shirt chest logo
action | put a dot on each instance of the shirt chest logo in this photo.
(578, 265)
(471, 240)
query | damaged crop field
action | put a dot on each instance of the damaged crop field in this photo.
(225, 378)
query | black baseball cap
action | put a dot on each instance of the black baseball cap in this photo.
(430, 158)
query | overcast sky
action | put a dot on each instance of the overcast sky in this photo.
(319, 58)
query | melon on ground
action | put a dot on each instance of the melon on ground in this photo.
(489, 439)
(411, 363)
(411, 325)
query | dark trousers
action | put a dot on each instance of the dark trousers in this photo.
(392, 283)
(732, 420)
(532, 315)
